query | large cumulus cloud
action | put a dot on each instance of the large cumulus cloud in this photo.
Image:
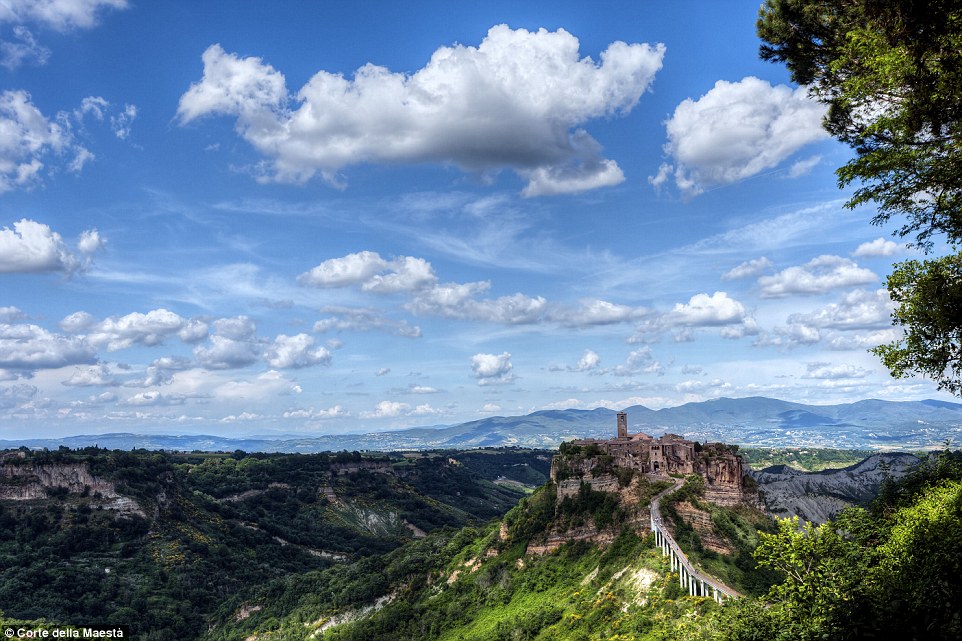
(518, 100)
(735, 131)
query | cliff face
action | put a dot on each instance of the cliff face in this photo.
(819, 496)
(718, 464)
(636, 511)
(32, 482)
(701, 522)
(724, 479)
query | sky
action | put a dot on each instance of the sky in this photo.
(267, 218)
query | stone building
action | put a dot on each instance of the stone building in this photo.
(671, 454)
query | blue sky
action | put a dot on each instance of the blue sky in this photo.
(320, 217)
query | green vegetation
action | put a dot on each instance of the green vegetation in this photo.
(474, 586)
(200, 531)
(807, 459)
(724, 546)
(891, 75)
(893, 571)
(202, 558)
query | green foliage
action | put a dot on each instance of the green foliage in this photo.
(891, 74)
(894, 572)
(214, 527)
(581, 592)
(928, 298)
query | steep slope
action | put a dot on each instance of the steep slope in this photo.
(160, 541)
(574, 560)
(480, 585)
(819, 496)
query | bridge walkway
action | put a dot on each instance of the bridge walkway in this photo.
(697, 583)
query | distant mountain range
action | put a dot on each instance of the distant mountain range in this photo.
(753, 421)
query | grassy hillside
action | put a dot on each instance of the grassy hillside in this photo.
(478, 584)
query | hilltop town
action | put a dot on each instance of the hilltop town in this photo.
(719, 464)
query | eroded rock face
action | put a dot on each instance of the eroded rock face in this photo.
(31, 482)
(719, 464)
(701, 522)
(819, 496)
(601, 483)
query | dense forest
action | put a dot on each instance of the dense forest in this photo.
(203, 529)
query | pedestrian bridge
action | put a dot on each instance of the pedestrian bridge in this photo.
(698, 584)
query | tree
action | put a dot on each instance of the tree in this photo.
(929, 298)
(890, 72)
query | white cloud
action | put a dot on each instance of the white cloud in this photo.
(227, 353)
(518, 100)
(360, 320)
(121, 123)
(492, 369)
(236, 328)
(803, 167)
(589, 361)
(405, 274)
(29, 347)
(352, 269)
(422, 389)
(567, 404)
(453, 300)
(703, 310)
(24, 50)
(792, 335)
(16, 395)
(266, 385)
(716, 386)
(816, 277)
(859, 309)
(233, 345)
(91, 242)
(748, 269)
(27, 137)
(426, 410)
(160, 372)
(193, 331)
(877, 247)
(827, 371)
(115, 333)
(95, 375)
(416, 278)
(863, 340)
(639, 360)
(152, 398)
(243, 416)
(61, 15)
(735, 131)
(298, 351)
(323, 414)
(11, 314)
(387, 409)
(34, 247)
(597, 312)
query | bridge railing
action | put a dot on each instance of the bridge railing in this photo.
(698, 584)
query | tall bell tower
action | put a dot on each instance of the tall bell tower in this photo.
(622, 425)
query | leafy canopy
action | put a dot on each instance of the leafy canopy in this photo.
(890, 72)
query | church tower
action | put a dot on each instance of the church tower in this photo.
(622, 425)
